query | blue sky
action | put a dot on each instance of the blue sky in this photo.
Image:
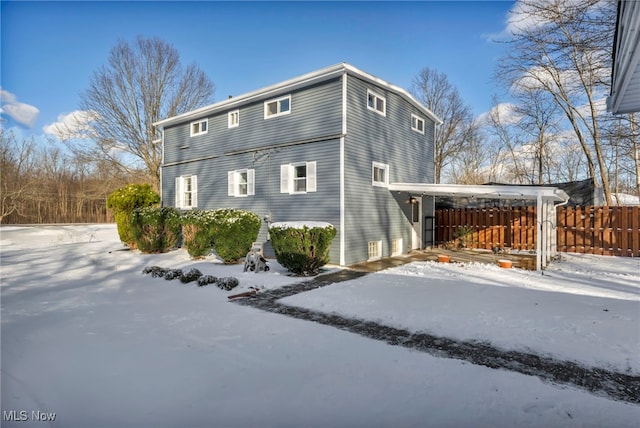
(50, 49)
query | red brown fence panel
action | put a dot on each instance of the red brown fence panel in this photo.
(591, 230)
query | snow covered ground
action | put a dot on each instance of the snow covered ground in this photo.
(87, 336)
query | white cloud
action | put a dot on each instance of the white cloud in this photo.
(76, 124)
(504, 112)
(24, 114)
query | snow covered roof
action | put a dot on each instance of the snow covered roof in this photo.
(296, 83)
(484, 191)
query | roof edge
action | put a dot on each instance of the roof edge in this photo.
(308, 78)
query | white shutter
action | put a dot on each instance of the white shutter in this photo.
(285, 183)
(194, 191)
(232, 183)
(311, 176)
(178, 192)
(251, 182)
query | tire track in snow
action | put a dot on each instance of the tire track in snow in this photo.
(618, 386)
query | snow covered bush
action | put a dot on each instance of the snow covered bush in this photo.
(227, 283)
(191, 275)
(233, 232)
(123, 201)
(155, 271)
(173, 274)
(155, 229)
(302, 247)
(206, 280)
(197, 232)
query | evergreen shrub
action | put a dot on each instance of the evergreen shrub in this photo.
(234, 231)
(197, 232)
(302, 248)
(126, 199)
(155, 229)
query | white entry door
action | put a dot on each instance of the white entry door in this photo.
(416, 219)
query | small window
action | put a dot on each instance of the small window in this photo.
(200, 127)
(380, 174)
(376, 102)
(374, 250)
(187, 192)
(417, 123)
(396, 247)
(298, 178)
(242, 182)
(234, 118)
(277, 107)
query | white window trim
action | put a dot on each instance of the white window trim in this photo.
(193, 134)
(383, 166)
(287, 179)
(230, 116)
(234, 182)
(277, 101)
(377, 256)
(180, 192)
(418, 119)
(398, 244)
(384, 103)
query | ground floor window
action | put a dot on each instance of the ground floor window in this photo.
(298, 177)
(187, 191)
(241, 182)
(375, 250)
(396, 247)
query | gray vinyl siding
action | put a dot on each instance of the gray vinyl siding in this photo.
(322, 205)
(316, 112)
(374, 213)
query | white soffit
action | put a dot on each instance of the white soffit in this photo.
(482, 191)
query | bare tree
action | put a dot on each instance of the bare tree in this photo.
(538, 113)
(16, 172)
(141, 83)
(434, 90)
(469, 165)
(563, 47)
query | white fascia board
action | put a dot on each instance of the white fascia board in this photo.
(292, 84)
(480, 191)
(626, 62)
(266, 92)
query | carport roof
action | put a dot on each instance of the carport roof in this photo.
(483, 191)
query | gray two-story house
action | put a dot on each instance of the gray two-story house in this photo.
(319, 147)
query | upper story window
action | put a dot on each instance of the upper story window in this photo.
(277, 107)
(234, 118)
(187, 192)
(199, 127)
(242, 182)
(376, 102)
(298, 177)
(380, 174)
(417, 123)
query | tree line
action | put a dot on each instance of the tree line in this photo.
(46, 184)
(548, 125)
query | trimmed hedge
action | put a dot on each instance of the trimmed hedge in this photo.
(300, 248)
(126, 199)
(234, 231)
(155, 229)
(197, 232)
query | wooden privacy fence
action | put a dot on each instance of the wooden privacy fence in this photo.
(613, 231)
(592, 230)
